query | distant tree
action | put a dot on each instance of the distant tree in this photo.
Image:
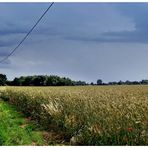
(104, 84)
(21, 80)
(144, 82)
(67, 81)
(113, 83)
(53, 80)
(27, 81)
(9, 83)
(48, 81)
(41, 80)
(37, 81)
(135, 82)
(91, 83)
(99, 82)
(16, 82)
(3, 79)
(128, 82)
(120, 82)
(79, 83)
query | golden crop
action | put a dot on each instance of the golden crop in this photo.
(88, 115)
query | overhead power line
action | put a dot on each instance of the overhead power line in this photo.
(13, 50)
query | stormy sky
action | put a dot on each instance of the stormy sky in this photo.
(83, 41)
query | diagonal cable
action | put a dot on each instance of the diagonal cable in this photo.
(7, 56)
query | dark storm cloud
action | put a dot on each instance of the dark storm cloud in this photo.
(19, 28)
(12, 28)
(6, 43)
(3, 53)
(83, 41)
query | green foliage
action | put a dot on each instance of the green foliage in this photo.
(41, 80)
(99, 82)
(3, 79)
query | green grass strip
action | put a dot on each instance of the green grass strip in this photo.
(15, 130)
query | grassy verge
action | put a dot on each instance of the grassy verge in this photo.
(15, 129)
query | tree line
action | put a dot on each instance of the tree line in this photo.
(39, 80)
(127, 82)
(53, 80)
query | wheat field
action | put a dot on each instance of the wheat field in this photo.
(87, 115)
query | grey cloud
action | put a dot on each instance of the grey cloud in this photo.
(6, 64)
(65, 42)
(137, 12)
(131, 37)
(3, 53)
(6, 43)
(84, 27)
(138, 36)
